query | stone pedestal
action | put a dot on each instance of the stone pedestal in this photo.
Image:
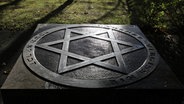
(161, 78)
(21, 77)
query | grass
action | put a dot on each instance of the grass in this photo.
(91, 12)
(25, 13)
(22, 15)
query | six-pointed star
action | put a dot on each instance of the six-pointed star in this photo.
(121, 68)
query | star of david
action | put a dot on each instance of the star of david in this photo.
(64, 53)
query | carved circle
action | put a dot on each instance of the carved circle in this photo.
(145, 69)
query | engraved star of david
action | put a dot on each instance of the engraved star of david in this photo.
(64, 53)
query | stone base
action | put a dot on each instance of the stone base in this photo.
(21, 78)
(161, 78)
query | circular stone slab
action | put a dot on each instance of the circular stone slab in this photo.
(90, 56)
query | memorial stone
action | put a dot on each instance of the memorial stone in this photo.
(90, 56)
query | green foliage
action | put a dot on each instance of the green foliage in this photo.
(165, 14)
(163, 21)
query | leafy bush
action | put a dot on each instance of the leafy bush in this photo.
(164, 14)
(163, 22)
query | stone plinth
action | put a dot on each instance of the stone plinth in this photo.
(161, 77)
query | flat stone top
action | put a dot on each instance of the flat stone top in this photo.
(84, 66)
(21, 78)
